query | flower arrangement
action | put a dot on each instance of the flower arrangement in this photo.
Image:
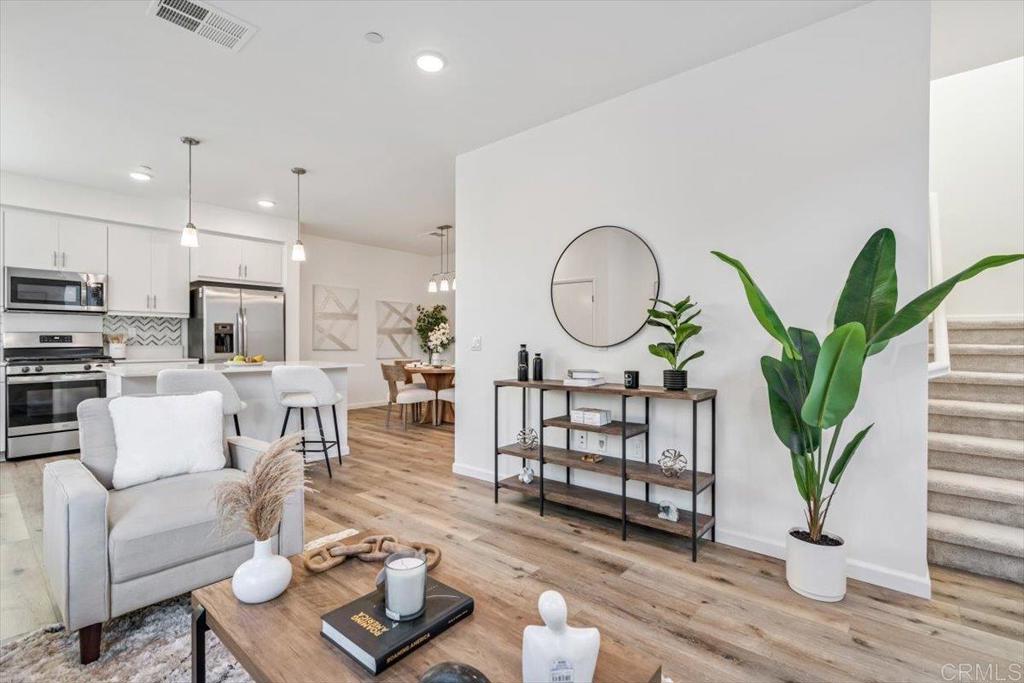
(426, 320)
(440, 338)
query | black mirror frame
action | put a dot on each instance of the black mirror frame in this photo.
(551, 287)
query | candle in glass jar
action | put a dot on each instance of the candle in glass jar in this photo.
(404, 584)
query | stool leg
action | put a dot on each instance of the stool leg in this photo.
(337, 437)
(302, 426)
(387, 417)
(287, 414)
(323, 440)
(404, 421)
(238, 430)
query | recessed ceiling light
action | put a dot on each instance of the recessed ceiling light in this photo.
(143, 174)
(266, 203)
(431, 62)
(373, 37)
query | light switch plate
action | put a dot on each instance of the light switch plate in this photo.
(478, 343)
(636, 448)
(579, 441)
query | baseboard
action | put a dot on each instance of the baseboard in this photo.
(473, 472)
(367, 404)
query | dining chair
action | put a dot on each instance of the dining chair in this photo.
(404, 395)
(447, 395)
(402, 362)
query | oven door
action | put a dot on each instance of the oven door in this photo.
(44, 290)
(48, 404)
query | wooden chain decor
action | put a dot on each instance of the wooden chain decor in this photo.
(372, 549)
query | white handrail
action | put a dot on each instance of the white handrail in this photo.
(939, 366)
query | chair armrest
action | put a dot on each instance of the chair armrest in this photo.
(75, 543)
(290, 536)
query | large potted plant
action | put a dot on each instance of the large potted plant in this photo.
(680, 329)
(813, 388)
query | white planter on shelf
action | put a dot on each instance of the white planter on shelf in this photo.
(263, 577)
(816, 571)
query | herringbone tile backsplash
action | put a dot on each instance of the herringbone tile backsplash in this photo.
(148, 331)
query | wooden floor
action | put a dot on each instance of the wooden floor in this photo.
(730, 617)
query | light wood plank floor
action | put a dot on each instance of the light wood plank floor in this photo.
(730, 617)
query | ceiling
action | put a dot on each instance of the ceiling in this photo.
(967, 34)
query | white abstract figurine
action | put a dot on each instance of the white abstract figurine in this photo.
(557, 652)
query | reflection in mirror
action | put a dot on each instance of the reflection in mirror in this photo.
(602, 285)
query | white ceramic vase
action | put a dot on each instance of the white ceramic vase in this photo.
(816, 571)
(435, 359)
(262, 578)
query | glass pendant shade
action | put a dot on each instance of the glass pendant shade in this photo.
(444, 284)
(189, 236)
(298, 251)
(432, 286)
(453, 284)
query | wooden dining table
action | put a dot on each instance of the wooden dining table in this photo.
(436, 379)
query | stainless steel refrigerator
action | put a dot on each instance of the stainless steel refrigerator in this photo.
(226, 321)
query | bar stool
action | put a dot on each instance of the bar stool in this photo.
(303, 387)
(196, 381)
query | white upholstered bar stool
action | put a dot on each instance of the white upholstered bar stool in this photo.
(443, 395)
(196, 381)
(303, 388)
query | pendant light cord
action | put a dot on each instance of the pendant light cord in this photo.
(298, 201)
(190, 184)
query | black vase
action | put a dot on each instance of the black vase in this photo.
(674, 380)
(538, 368)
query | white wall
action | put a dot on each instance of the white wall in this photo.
(977, 171)
(379, 275)
(167, 213)
(788, 156)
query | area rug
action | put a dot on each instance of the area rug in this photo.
(145, 646)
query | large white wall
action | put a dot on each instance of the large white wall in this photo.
(166, 213)
(788, 156)
(977, 171)
(379, 275)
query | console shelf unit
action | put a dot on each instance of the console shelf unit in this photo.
(639, 511)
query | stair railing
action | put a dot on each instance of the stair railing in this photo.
(940, 364)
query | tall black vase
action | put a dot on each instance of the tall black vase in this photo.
(674, 380)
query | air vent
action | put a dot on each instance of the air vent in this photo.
(205, 21)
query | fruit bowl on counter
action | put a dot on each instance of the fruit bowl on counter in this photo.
(246, 360)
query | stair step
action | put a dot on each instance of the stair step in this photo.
(978, 561)
(978, 418)
(1006, 379)
(995, 538)
(986, 357)
(986, 349)
(985, 330)
(1008, 514)
(955, 323)
(984, 446)
(972, 385)
(976, 486)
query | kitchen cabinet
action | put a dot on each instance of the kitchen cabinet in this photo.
(148, 272)
(48, 242)
(236, 259)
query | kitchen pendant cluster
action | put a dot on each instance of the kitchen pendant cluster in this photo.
(190, 235)
(444, 280)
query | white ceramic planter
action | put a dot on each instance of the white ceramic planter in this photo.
(262, 578)
(816, 571)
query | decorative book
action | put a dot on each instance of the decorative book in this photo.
(362, 630)
(584, 374)
(585, 382)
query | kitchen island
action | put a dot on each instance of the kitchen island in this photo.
(263, 415)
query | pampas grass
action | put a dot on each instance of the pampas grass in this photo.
(256, 502)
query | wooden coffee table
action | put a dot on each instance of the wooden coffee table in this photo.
(280, 640)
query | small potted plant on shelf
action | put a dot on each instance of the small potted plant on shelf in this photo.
(814, 387)
(680, 329)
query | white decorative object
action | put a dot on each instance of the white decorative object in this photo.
(117, 350)
(527, 438)
(557, 652)
(263, 577)
(672, 463)
(816, 571)
(666, 510)
(405, 580)
(439, 339)
(396, 329)
(163, 436)
(435, 359)
(526, 476)
(335, 318)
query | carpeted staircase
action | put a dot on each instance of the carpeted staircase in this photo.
(976, 451)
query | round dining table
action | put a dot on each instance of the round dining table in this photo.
(436, 378)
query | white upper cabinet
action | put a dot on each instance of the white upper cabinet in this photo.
(236, 259)
(46, 242)
(148, 272)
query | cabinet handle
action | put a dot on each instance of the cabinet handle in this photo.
(239, 270)
(147, 302)
(54, 259)
(63, 258)
(247, 270)
(154, 301)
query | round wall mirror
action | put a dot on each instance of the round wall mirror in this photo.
(602, 285)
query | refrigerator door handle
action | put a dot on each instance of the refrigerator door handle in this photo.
(238, 333)
(245, 334)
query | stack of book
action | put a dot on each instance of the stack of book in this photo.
(584, 378)
(596, 417)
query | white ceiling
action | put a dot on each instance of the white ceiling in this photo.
(967, 34)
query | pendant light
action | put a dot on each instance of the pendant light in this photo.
(189, 234)
(443, 284)
(298, 250)
(444, 280)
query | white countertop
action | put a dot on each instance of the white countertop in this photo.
(137, 361)
(153, 369)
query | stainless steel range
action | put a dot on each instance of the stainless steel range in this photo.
(48, 375)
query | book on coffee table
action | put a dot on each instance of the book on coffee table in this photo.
(362, 630)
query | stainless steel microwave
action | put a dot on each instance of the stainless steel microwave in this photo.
(51, 290)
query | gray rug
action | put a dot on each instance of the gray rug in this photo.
(152, 644)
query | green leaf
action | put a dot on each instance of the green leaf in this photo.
(686, 360)
(660, 351)
(664, 326)
(800, 474)
(659, 314)
(784, 402)
(760, 307)
(840, 466)
(684, 332)
(921, 307)
(869, 296)
(837, 375)
(683, 305)
(690, 317)
(807, 346)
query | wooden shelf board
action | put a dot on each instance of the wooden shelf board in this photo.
(611, 466)
(614, 427)
(610, 505)
(647, 390)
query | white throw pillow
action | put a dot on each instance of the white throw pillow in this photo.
(163, 436)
